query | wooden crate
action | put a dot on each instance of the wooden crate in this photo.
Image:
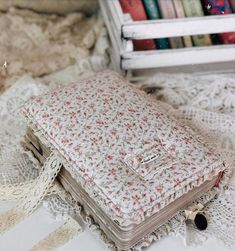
(123, 30)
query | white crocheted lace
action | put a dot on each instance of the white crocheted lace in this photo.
(59, 237)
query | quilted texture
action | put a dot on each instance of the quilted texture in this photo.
(130, 156)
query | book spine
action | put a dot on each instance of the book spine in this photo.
(168, 12)
(221, 7)
(153, 12)
(179, 9)
(136, 9)
(232, 4)
(193, 8)
(215, 39)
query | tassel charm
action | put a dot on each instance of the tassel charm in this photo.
(197, 216)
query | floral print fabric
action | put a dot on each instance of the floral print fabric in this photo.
(122, 145)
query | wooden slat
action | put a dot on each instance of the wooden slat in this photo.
(120, 27)
(179, 27)
(176, 57)
(115, 14)
(116, 10)
(115, 36)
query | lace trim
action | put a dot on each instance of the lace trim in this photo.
(59, 237)
(14, 191)
(33, 195)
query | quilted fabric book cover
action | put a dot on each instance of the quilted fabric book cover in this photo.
(119, 145)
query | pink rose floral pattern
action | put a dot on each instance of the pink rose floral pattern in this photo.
(106, 128)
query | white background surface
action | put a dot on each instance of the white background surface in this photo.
(39, 224)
